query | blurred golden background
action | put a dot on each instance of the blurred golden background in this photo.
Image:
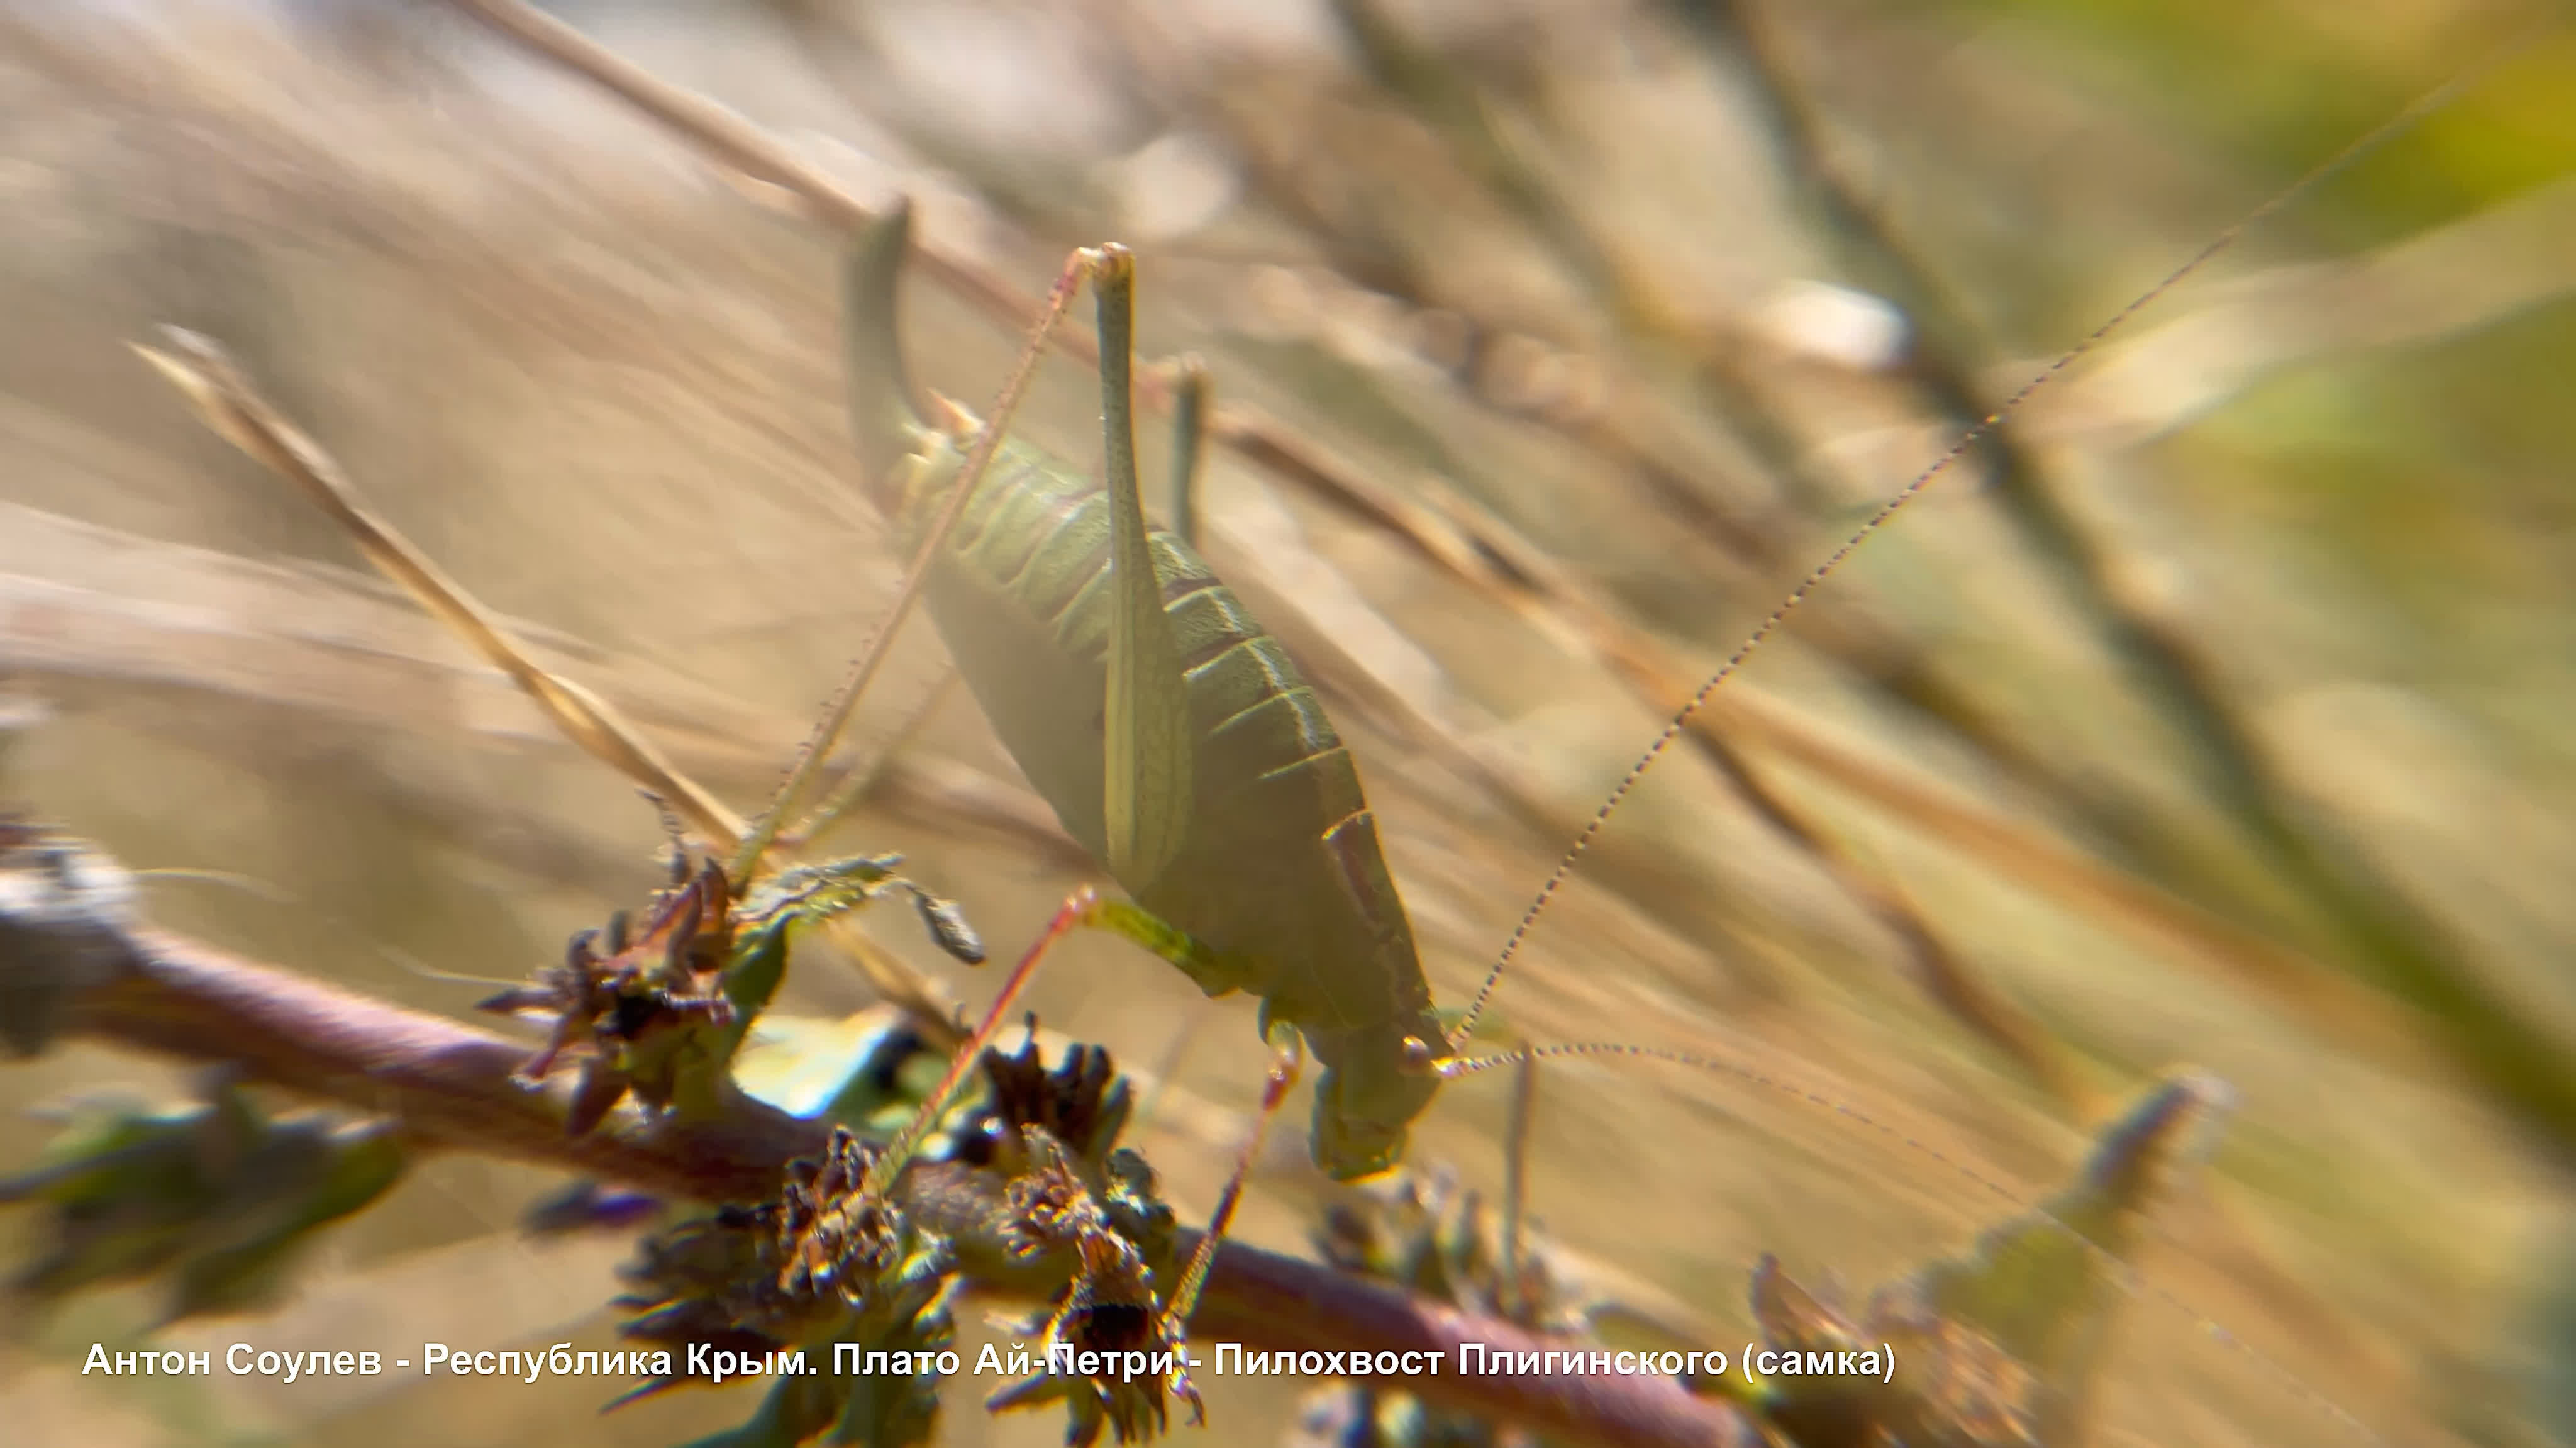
(2212, 712)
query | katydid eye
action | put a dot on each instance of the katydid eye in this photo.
(1416, 1057)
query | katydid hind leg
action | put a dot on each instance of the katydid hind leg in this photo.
(1287, 1064)
(898, 1154)
(1147, 774)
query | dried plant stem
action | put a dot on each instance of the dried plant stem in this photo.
(237, 413)
(2519, 1066)
(1452, 537)
(2518, 1062)
(228, 403)
(1968, 997)
(450, 1085)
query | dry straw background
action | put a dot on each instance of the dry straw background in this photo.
(1548, 274)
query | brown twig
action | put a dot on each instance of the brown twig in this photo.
(450, 1085)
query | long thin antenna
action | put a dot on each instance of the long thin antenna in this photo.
(2422, 106)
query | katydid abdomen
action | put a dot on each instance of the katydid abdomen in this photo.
(1278, 875)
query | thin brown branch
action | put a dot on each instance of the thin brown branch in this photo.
(447, 1083)
(450, 1084)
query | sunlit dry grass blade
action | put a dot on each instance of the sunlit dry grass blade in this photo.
(1450, 537)
(2323, 999)
(2501, 263)
(1951, 983)
(83, 602)
(78, 600)
(225, 399)
(1455, 540)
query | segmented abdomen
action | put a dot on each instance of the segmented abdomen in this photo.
(1280, 869)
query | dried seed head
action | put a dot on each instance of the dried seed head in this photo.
(1109, 1306)
(665, 977)
(833, 1240)
(1082, 1103)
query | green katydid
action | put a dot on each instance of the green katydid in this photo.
(1207, 781)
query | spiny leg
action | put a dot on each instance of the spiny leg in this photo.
(1286, 1063)
(864, 775)
(1152, 933)
(1076, 908)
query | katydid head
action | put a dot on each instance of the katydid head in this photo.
(1364, 1112)
(1367, 1101)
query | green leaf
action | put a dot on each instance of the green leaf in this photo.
(218, 1197)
